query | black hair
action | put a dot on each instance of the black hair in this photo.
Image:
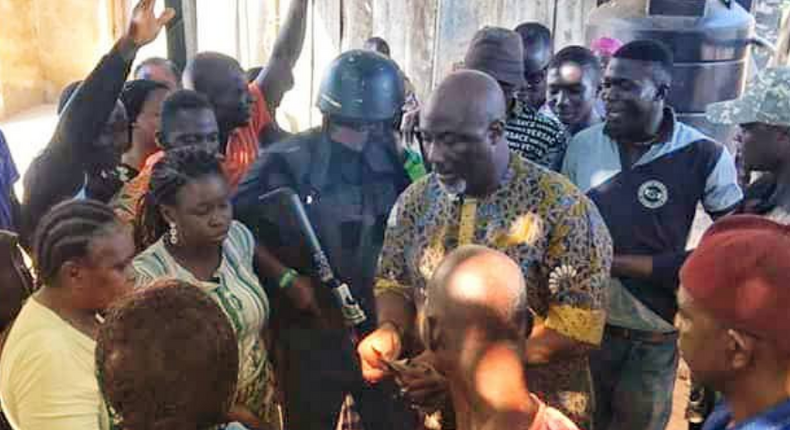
(66, 95)
(379, 45)
(135, 94)
(176, 102)
(651, 51)
(65, 232)
(534, 33)
(579, 55)
(167, 359)
(177, 168)
(157, 61)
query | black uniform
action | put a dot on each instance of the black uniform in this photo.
(348, 196)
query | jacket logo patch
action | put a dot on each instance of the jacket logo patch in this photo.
(653, 194)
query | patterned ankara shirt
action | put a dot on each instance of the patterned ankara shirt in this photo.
(536, 137)
(548, 227)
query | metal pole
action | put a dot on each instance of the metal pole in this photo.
(176, 49)
(182, 31)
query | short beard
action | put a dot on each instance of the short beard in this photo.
(622, 135)
(455, 190)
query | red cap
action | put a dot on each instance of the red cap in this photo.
(740, 274)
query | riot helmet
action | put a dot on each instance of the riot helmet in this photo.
(362, 86)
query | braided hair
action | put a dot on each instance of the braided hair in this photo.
(177, 168)
(167, 359)
(65, 232)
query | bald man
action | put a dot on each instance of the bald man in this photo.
(482, 193)
(243, 110)
(476, 317)
(160, 70)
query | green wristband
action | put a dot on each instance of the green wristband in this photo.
(414, 166)
(287, 278)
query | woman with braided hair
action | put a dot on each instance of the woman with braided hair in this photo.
(187, 221)
(167, 359)
(82, 257)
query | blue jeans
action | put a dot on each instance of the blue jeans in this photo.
(634, 382)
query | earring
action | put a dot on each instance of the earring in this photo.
(173, 234)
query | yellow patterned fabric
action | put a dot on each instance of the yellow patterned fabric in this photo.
(582, 324)
(544, 223)
(386, 285)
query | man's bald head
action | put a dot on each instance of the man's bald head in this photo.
(476, 298)
(463, 132)
(476, 319)
(206, 65)
(222, 80)
(477, 277)
(467, 96)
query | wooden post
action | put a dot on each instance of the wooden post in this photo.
(189, 13)
(176, 39)
(357, 23)
(571, 20)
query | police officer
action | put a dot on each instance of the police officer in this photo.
(348, 173)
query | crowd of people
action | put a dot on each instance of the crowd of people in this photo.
(517, 243)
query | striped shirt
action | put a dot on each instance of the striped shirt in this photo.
(237, 290)
(536, 137)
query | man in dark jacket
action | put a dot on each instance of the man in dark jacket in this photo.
(80, 159)
(348, 173)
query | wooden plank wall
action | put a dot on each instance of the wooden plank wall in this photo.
(427, 37)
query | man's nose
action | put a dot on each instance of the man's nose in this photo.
(435, 153)
(562, 98)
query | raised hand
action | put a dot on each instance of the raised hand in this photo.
(145, 26)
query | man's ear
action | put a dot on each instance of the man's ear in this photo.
(524, 321)
(497, 131)
(160, 139)
(432, 334)
(740, 349)
(662, 92)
